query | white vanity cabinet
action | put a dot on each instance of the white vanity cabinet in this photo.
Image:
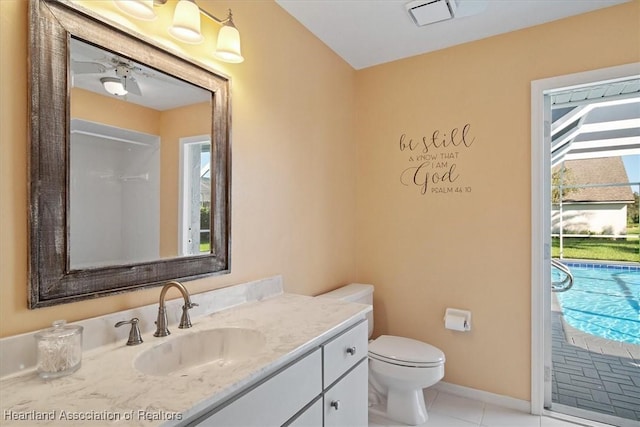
(312, 416)
(325, 387)
(344, 404)
(345, 372)
(274, 401)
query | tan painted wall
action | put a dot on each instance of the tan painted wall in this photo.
(305, 205)
(293, 177)
(467, 250)
(192, 120)
(113, 112)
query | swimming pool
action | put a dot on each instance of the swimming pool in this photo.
(604, 300)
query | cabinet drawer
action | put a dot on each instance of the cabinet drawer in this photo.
(344, 352)
(345, 403)
(274, 401)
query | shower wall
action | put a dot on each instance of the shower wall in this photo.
(114, 200)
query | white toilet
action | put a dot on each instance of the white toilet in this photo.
(399, 368)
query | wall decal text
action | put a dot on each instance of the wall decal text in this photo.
(433, 159)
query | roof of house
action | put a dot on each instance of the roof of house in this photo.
(604, 170)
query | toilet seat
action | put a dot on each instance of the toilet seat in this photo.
(405, 352)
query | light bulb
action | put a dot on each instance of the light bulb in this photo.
(140, 9)
(114, 86)
(228, 45)
(186, 22)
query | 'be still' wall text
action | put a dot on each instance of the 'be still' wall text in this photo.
(434, 161)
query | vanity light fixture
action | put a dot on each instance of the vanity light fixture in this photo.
(186, 22)
(114, 86)
(228, 45)
(141, 9)
(186, 25)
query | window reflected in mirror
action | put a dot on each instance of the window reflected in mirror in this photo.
(195, 196)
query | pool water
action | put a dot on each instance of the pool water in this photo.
(604, 300)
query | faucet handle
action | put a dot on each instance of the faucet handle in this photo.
(134, 334)
(185, 320)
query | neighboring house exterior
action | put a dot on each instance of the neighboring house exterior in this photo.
(596, 210)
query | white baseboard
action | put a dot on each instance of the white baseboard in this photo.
(485, 396)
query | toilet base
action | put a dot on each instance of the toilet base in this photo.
(404, 406)
(407, 406)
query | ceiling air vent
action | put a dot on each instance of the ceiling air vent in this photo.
(426, 12)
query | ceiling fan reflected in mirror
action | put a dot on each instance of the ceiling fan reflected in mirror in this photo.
(120, 84)
(97, 69)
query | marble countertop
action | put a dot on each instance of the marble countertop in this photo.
(108, 390)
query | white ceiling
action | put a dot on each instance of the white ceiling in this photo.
(370, 32)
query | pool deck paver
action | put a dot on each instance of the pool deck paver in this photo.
(594, 373)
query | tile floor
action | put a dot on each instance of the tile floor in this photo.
(448, 410)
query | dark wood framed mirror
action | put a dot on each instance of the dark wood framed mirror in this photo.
(83, 242)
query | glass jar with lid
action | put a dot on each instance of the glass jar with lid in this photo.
(59, 350)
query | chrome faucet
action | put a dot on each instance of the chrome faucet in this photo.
(185, 322)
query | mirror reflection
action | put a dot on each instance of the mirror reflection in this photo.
(140, 162)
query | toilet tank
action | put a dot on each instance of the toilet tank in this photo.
(355, 292)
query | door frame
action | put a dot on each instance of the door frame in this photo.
(540, 217)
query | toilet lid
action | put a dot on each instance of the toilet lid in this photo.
(405, 351)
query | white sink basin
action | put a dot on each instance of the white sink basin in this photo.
(222, 347)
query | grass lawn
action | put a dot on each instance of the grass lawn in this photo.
(598, 248)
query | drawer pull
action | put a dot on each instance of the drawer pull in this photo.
(335, 404)
(351, 351)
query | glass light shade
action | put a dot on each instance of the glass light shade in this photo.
(228, 45)
(113, 86)
(186, 22)
(140, 9)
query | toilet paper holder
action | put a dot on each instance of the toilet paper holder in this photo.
(457, 320)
